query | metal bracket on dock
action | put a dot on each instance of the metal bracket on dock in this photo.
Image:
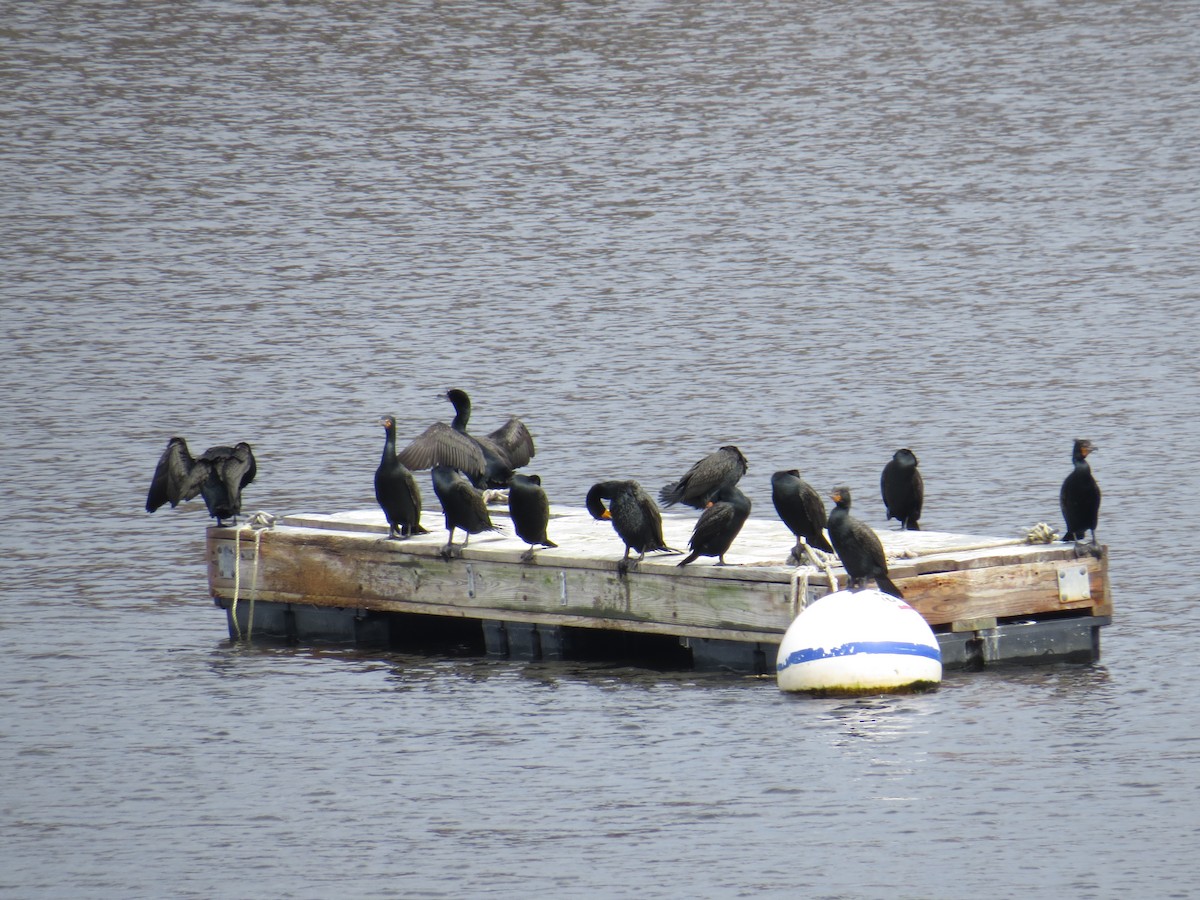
(562, 586)
(225, 566)
(470, 581)
(1073, 584)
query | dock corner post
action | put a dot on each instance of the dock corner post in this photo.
(495, 638)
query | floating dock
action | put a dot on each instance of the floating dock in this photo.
(336, 578)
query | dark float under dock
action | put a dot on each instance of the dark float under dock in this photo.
(335, 578)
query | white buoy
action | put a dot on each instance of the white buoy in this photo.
(856, 642)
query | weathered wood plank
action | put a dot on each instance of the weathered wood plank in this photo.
(347, 570)
(1000, 592)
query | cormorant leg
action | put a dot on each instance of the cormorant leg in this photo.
(623, 563)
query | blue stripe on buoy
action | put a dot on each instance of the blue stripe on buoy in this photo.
(898, 648)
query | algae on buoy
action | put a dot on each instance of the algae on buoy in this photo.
(858, 642)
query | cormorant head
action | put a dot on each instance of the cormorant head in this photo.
(1082, 448)
(595, 502)
(841, 496)
(905, 457)
(387, 421)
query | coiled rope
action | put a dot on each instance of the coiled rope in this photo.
(258, 523)
(801, 574)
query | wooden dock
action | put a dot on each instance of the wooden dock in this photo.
(312, 578)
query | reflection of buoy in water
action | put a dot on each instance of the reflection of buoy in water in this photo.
(858, 642)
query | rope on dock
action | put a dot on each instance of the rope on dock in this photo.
(819, 563)
(1041, 533)
(800, 588)
(258, 523)
(820, 559)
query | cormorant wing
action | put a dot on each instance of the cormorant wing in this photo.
(710, 473)
(652, 515)
(237, 469)
(169, 475)
(813, 508)
(516, 442)
(700, 481)
(248, 465)
(441, 445)
(712, 524)
(192, 485)
(872, 546)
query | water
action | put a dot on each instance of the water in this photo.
(820, 231)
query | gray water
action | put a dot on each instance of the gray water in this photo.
(818, 230)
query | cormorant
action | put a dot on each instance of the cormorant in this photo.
(903, 489)
(489, 461)
(396, 489)
(462, 505)
(858, 546)
(1080, 495)
(218, 475)
(529, 510)
(724, 467)
(634, 516)
(719, 524)
(800, 507)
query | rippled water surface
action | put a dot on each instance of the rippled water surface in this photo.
(820, 230)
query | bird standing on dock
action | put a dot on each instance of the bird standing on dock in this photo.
(858, 546)
(529, 509)
(903, 489)
(634, 515)
(1080, 495)
(218, 475)
(489, 461)
(800, 507)
(723, 467)
(396, 489)
(719, 524)
(462, 505)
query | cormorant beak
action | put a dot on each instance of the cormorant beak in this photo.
(606, 515)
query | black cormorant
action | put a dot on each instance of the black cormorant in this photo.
(724, 467)
(1080, 495)
(462, 505)
(396, 489)
(903, 489)
(719, 524)
(800, 507)
(529, 509)
(218, 475)
(634, 515)
(489, 461)
(858, 546)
